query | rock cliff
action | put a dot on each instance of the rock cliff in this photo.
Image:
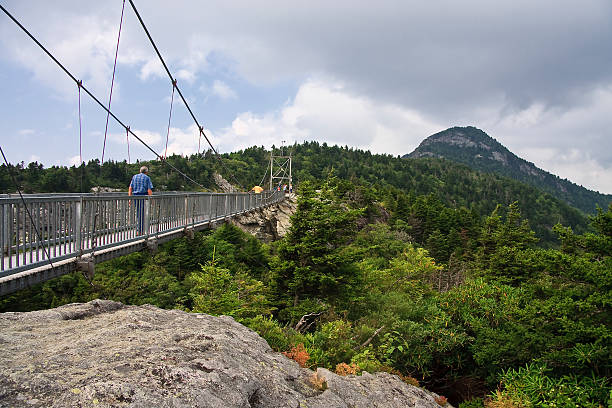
(105, 354)
(270, 223)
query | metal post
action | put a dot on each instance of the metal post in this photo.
(210, 209)
(186, 211)
(77, 226)
(6, 228)
(146, 215)
(271, 168)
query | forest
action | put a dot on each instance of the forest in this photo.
(482, 289)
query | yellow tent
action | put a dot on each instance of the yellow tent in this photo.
(257, 189)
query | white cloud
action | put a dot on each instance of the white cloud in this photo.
(186, 75)
(570, 143)
(223, 91)
(26, 132)
(151, 138)
(325, 112)
(186, 141)
(575, 165)
(34, 158)
(74, 161)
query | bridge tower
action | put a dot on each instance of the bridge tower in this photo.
(280, 168)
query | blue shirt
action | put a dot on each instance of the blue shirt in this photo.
(140, 184)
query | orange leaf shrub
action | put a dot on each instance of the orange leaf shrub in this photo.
(319, 383)
(441, 400)
(299, 354)
(345, 369)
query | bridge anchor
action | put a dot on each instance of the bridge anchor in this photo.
(87, 267)
(188, 232)
(152, 244)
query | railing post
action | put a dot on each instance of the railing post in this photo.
(77, 226)
(146, 215)
(186, 211)
(225, 206)
(6, 228)
(210, 208)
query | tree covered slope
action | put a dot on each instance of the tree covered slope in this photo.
(479, 151)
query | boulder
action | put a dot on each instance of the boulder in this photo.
(106, 354)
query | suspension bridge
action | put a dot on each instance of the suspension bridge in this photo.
(44, 236)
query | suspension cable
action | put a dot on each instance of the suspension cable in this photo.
(127, 138)
(170, 118)
(181, 94)
(79, 84)
(110, 97)
(92, 96)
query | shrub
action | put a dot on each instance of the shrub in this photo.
(472, 403)
(441, 400)
(344, 369)
(366, 361)
(268, 328)
(299, 354)
(331, 345)
(531, 386)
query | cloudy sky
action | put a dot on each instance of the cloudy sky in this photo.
(535, 75)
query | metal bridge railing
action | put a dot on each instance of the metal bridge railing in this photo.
(71, 225)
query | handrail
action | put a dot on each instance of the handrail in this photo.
(71, 225)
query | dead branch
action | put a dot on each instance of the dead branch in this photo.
(370, 339)
(300, 325)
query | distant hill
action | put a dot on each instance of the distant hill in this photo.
(473, 147)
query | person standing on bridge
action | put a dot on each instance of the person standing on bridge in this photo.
(140, 185)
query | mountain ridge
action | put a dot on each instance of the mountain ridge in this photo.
(475, 148)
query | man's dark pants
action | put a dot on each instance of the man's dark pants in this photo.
(140, 214)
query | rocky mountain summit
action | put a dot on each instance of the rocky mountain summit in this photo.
(478, 150)
(106, 354)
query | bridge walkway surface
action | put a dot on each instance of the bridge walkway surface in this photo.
(49, 235)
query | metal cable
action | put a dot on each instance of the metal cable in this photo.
(79, 83)
(92, 96)
(110, 97)
(127, 139)
(170, 118)
(181, 94)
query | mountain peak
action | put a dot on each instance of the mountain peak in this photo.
(475, 148)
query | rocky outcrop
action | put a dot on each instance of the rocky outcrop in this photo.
(270, 223)
(223, 184)
(105, 354)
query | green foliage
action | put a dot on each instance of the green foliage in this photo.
(472, 403)
(310, 261)
(332, 344)
(216, 291)
(278, 338)
(533, 386)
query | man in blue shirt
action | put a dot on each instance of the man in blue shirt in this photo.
(140, 185)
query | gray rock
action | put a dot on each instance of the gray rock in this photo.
(105, 354)
(270, 223)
